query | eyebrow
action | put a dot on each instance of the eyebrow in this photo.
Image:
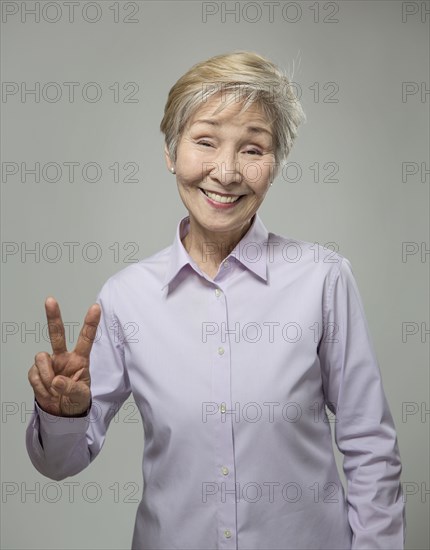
(251, 129)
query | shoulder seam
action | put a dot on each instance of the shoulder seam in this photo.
(332, 283)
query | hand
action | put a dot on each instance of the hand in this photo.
(61, 381)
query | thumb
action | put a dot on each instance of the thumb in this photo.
(61, 384)
(76, 391)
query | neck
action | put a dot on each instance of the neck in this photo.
(208, 249)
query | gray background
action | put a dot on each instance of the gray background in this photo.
(369, 133)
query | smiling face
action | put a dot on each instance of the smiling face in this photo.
(224, 165)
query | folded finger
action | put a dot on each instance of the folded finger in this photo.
(77, 392)
(36, 383)
(43, 364)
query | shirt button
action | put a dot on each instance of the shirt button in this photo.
(224, 470)
(226, 263)
(227, 533)
(222, 408)
(218, 292)
(220, 351)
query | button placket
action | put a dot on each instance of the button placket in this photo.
(224, 474)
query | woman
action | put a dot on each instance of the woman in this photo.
(233, 340)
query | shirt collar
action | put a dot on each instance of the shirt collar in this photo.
(250, 251)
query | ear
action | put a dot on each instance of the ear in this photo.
(169, 162)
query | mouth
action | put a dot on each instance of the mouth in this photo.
(221, 198)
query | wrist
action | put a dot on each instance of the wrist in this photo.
(64, 415)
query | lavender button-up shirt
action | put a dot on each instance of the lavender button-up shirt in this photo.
(232, 376)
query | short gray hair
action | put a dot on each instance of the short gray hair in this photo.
(254, 77)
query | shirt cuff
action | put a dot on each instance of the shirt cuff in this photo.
(61, 425)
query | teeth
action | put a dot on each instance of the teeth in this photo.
(220, 198)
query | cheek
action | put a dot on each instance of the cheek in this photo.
(187, 184)
(258, 175)
(187, 187)
(189, 171)
(261, 187)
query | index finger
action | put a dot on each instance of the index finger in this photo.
(57, 334)
(88, 332)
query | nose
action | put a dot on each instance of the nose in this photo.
(227, 168)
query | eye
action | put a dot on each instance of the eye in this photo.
(203, 142)
(253, 152)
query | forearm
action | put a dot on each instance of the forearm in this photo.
(376, 509)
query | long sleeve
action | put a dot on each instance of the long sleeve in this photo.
(60, 447)
(364, 428)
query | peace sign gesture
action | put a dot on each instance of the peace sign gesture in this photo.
(61, 381)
